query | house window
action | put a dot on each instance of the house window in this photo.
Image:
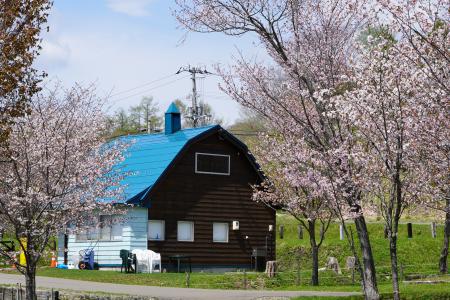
(105, 228)
(156, 230)
(220, 232)
(110, 228)
(185, 231)
(90, 233)
(208, 163)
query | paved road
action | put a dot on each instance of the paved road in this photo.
(163, 293)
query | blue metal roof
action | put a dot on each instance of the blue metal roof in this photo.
(149, 156)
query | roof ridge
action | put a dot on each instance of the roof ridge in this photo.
(163, 134)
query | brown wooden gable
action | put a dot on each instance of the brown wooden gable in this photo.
(183, 195)
(222, 135)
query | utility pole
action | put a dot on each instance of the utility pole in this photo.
(196, 112)
(147, 118)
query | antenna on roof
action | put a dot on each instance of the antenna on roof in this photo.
(196, 113)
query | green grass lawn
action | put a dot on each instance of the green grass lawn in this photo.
(418, 255)
(254, 281)
(408, 292)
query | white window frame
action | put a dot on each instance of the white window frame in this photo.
(90, 232)
(163, 223)
(228, 232)
(192, 230)
(94, 231)
(212, 154)
(110, 227)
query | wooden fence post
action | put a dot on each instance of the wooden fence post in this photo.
(401, 271)
(433, 229)
(55, 295)
(281, 231)
(245, 279)
(188, 279)
(300, 232)
(410, 234)
(341, 232)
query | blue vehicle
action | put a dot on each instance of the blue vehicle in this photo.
(87, 261)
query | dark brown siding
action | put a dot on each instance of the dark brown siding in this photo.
(204, 199)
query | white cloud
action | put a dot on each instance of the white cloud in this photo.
(54, 54)
(135, 8)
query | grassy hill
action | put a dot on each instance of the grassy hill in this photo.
(418, 255)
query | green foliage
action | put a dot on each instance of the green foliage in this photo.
(375, 35)
(247, 127)
(207, 110)
(140, 118)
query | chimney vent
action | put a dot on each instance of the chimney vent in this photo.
(172, 119)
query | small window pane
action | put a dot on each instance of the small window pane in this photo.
(156, 230)
(185, 231)
(92, 233)
(105, 232)
(220, 232)
(105, 229)
(110, 228)
(87, 234)
(212, 163)
(81, 235)
(116, 232)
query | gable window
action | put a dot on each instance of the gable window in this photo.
(110, 228)
(220, 232)
(209, 163)
(185, 231)
(156, 230)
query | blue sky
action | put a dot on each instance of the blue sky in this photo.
(122, 44)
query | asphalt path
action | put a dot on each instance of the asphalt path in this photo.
(163, 293)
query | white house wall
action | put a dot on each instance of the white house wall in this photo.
(134, 236)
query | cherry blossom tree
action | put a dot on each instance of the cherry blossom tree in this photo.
(399, 108)
(424, 28)
(56, 171)
(295, 187)
(381, 108)
(309, 42)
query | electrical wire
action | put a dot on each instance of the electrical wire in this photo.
(142, 85)
(150, 89)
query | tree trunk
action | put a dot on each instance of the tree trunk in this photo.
(30, 280)
(394, 264)
(369, 275)
(443, 266)
(315, 265)
(314, 253)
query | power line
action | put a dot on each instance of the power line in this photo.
(150, 89)
(142, 85)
